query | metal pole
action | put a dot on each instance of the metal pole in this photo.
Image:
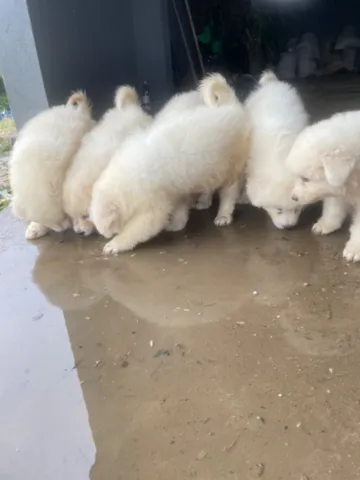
(195, 37)
(186, 45)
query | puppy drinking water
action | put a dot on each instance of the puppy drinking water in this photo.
(155, 172)
(326, 160)
(96, 150)
(40, 159)
(277, 115)
(177, 105)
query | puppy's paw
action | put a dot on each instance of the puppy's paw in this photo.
(62, 226)
(111, 248)
(35, 230)
(323, 227)
(177, 222)
(204, 202)
(222, 220)
(173, 226)
(351, 252)
(116, 246)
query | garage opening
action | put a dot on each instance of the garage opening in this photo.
(314, 44)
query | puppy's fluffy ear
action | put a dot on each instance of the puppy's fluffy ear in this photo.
(337, 169)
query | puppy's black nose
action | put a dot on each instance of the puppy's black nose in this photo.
(295, 198)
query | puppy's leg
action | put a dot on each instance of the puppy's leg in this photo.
(334, 213)
(179, 217)
(65, 224)
(228, 197)
(36, 230)
(83, 226)
(139, 229)
(204, 201)
(352, 249)
(243, 199)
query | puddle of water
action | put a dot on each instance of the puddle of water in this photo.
(203, 355)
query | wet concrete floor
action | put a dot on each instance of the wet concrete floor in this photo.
(212, 354)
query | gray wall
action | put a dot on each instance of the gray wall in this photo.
(152, 47)
(53, 47)
(19, 62)
(84, 44)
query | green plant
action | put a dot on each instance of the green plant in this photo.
(2, 85)
(4, 202)
(7, 130)
(4, 102)
(5, 146)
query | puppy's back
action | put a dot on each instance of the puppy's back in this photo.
(277, 114)
(178, 104)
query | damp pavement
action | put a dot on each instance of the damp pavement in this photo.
(213, 354)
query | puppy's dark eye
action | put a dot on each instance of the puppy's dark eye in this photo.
(279, 211)
(305, 179)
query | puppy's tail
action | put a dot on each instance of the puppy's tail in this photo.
(216, 91)
(268, 77)
(126, 95)
(78, 99)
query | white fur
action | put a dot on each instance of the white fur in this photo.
(39, 161)
(277, 115)
(155, 172)
(326, 160)
(213, 91)
(268, 76)
(177, 105)
(95, 153)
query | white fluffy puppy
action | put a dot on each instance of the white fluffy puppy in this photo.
(41, 156)
(326, 160)
(95, 152)
(152, 176)
(277, 115)
(177, 105)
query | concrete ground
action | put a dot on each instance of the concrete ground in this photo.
(212, 354)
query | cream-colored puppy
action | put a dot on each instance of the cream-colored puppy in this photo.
(152, 176)
(40, 159)
(177, 105)
(96, 150)
(326, 160)
(277, 115)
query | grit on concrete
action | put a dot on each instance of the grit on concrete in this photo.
(212, 354)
